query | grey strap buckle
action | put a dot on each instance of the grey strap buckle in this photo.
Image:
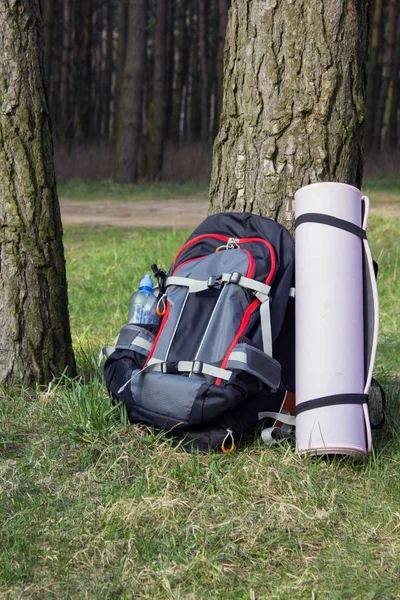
(214, 280)
(234, 277)
(197, 367)
(167, 367)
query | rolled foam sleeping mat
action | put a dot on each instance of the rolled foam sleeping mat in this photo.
(333, 373)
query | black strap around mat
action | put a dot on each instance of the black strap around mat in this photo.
(332, 401)
(380, 424)
(333, 222)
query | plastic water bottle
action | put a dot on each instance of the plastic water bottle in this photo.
(142, 306)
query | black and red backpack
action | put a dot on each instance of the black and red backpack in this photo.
(219, 361)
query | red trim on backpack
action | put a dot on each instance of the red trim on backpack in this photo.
(214, 236)
(241, 330)
(163, 323)
(166, 314)
(271, 254)
(246, 317)
(225, 238)
(253, 305)
(251, 269)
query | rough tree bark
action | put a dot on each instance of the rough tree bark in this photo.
(35, 340)
(294, 102)
(129, 116)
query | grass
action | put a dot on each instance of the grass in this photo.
(91, 508)
(381, 190)
(106, 190)
(104, 269)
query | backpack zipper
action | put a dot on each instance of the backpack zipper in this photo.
(240, 241)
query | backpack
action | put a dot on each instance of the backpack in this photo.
(218, 363)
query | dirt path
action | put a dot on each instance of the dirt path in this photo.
(177, 214)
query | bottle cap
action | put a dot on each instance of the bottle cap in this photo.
(146, 283)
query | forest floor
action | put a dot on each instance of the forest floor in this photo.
(176, 214)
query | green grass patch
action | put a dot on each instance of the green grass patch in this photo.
(104, 269)
(106, 190)
(93, 508)
(384, 238)
(382, 190)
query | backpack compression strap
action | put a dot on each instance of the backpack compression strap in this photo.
(261, 291)
(243, 357)
(131, 337)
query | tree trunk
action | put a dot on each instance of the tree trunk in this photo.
(159, 90)
(181, 52)
(80, 50)
(48, 19)
(35, 340)
(67, 130)
(374, 72)
(294, 102)
(122, 28)
(205, 80)
(193, 98)
(130, 105)
(170, 49)
(108, 70)
(97, 104)
(393, 136)
(388, 58)
(190, 110)
(222, 23)
(54, 93)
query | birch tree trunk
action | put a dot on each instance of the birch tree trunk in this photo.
(294, 102)
(35, 340)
